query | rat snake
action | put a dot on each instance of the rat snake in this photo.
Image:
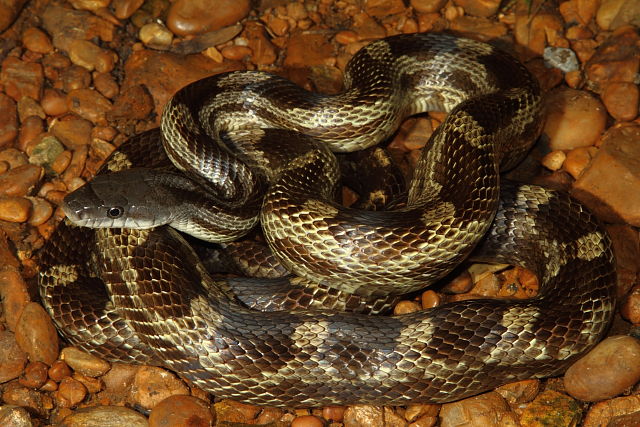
(142, 295)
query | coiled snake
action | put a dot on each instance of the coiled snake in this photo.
(142, 295)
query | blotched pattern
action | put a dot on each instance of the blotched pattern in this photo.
(160, 306)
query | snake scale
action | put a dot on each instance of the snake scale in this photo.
(262, 147)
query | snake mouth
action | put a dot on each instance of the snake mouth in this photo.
(72, 210)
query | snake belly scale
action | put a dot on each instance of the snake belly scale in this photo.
(159, 305)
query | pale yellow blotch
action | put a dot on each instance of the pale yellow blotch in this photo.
(445, 210)
(466, 43)
(319, 208)
(590, 246)
(65, 274)
(119, 161)
(382, 159)
(518, 320)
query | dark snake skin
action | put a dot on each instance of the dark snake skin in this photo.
(143, 295)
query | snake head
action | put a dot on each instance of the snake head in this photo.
(125, 199)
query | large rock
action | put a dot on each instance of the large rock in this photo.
(609, 186)
(199, 16)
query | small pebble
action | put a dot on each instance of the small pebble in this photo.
(75, 77)
(72, 132)
(520, 392)
(236, 53)
(230, 411)
(93, 5)
(12, 358)
(106, 85)
(15, 416)
(46, 151)
(33, 400)
(8, 120)
(75, 183)
(630, 309)
(61, 162)
(134, 103)
(270, 416)
(104, 133)
(56, 197)
(297, 11)
(123, 9)
(429, 299)
(36, 334)
(609, 177)
(278, 26)
(418, 134)
(613, 14)
(70, 393)
(34, 375)
(13, 157)
(105, 416)
(54, 102)
(562, 58)
(153, 384)
(606, 371)
(41, 211)
(83, 362)
(619, 412)
(554, 160)
(20, 180)
(59, 370)
(307, 421)
(346, 37)
(578, 159)
(333, 413)
(551, 408)
(14, 293)
(30, 129)
(93, 385)
(156, 36)
(621, 100)
(28, 107)
(181, 411)
(22, 78)
(308, 49)
(488, 409)
(89, 104)
(36, 40)
(460, 284)
(413, 412)
(368, 415)
(76, 166)
(404, 307)
(14, 209)
(92, 57)
(427, 6)
(49, 385)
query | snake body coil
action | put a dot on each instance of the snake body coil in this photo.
(160, 306)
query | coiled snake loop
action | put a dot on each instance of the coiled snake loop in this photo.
(142, 295)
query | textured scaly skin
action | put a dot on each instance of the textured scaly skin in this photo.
(171, 311)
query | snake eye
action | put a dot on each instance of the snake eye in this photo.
(115, 212)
